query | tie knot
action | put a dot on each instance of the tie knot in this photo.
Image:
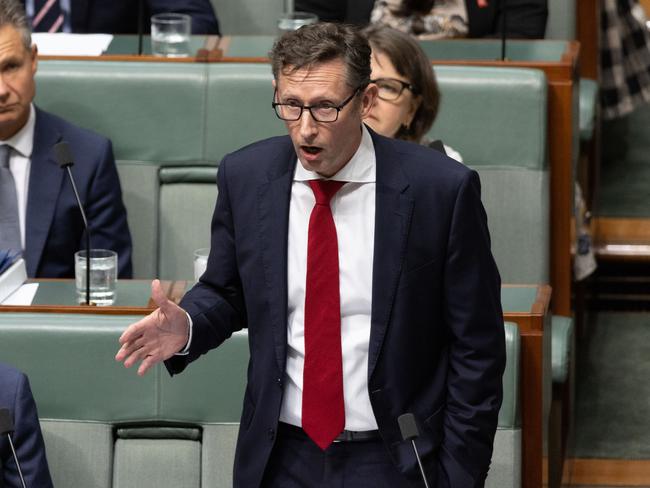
(324, 190)
(4, 156)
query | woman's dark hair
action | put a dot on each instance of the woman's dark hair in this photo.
(409, 61)
(322, 42)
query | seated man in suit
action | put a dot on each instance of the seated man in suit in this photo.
(115, 16)
(16, 396)
(38, 210)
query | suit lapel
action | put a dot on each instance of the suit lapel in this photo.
(45, 178)
(274, 196)
(393, 211)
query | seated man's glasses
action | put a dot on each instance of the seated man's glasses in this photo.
(390, 89)
(323, 112)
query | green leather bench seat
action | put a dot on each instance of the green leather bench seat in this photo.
(166, 116)
(104, 426)
(497, 119)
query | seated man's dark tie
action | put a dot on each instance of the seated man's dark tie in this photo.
(9, 223)
(48, 16)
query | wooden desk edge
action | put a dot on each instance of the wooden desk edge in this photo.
(174, 290)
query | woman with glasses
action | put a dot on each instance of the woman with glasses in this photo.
(408, 96)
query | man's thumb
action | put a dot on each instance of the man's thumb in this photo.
(158, 294)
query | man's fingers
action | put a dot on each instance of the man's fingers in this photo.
(159, 296)
(147, 363)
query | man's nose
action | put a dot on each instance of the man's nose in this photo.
(4, 88)
(308, 126)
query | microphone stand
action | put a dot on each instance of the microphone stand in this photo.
(7, 427)
(504, 14)
(140, 25)
(13, 452)
(409, 430)
(64, 158)
(83, 216)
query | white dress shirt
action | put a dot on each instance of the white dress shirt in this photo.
(20, 161)
(353, 209)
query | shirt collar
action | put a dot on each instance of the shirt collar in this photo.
(23, 140)
(360, 169)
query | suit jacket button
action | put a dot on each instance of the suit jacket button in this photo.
(271, 434)
(279, 380)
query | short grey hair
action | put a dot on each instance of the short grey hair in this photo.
(13, 13)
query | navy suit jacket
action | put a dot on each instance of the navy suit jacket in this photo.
(436, 346)
(16, 396)
(54, 228)
(121, 16)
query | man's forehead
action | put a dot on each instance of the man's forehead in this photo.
(11, 42)
(323, 73)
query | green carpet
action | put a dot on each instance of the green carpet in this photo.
(625, 172)
(612, 412)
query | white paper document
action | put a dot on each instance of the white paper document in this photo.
(62, 44)
(12, 279)
(23, 295)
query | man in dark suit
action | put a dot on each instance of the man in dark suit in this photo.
(361, 267)
(16, 396)
(41, 216)
(118, 16)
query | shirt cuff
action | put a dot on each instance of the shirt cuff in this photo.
(186, 350)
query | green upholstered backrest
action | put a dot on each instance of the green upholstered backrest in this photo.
(151, 111)
(561, 22)
(497, 119)
(493, 116)
(239, 108)
(187, 199)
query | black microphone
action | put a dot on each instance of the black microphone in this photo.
(7, 427)
(64, 158)
(409, 431)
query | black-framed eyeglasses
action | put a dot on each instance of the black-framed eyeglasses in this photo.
(321, 113)
(390, 89)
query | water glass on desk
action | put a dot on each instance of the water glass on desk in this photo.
(103, 276)
(200, 262)
(295, 20)
(170, 35)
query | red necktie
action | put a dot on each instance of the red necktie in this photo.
(323, 413)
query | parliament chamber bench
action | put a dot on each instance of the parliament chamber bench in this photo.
(106, 427)
(172, 123)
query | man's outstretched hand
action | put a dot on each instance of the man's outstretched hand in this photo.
(157, 337)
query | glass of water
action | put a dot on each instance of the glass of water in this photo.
(103, 276)
(200, 262)
(295, 20)
(170, 35)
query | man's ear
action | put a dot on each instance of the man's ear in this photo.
(275, 85)
(34, 55)
(368, 99)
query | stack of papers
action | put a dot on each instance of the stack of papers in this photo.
(62, 44)
(12, 278)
